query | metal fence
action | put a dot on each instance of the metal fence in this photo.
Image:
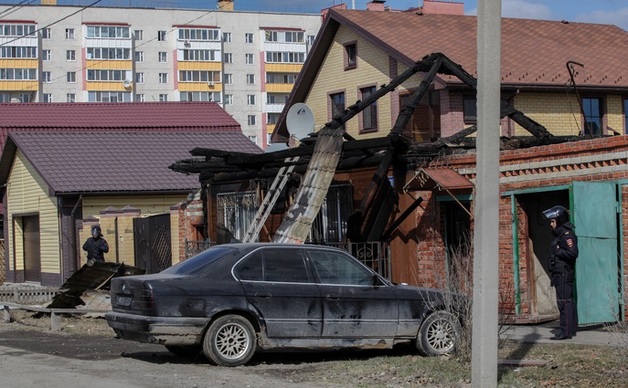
(375, 255)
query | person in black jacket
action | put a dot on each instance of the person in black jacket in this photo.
(562, 267)
(96, 246)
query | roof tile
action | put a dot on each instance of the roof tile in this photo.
(119, 161)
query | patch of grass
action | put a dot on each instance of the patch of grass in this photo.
(568, 365)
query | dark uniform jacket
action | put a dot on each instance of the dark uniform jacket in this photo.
(96, 248)
(563, 253)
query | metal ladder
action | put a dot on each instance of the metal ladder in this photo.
(269, 200)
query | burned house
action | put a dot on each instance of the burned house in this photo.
(401, 199)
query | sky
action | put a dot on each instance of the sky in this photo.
(590, 11)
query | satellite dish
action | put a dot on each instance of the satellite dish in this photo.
(300, 120)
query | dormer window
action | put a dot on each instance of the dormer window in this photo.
(351, 55)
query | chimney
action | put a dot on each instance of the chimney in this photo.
(443, 7)
(324, 11)
(225, 5)
(376, 5)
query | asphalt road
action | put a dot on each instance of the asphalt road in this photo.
(34, 359)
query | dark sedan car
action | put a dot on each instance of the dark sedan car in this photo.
(233, 299)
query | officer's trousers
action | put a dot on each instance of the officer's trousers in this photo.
(566, 304)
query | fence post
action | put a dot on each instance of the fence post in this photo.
(55, 321)
(6, 315)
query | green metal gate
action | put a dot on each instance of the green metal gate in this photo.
(595, 214)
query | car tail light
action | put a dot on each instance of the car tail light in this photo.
(147, 299)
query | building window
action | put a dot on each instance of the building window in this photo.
(310, 40)
(70, 97)
(108, 32)
(248, 59)
(71, 77)
(163, 56)
(592, 108)
(46, 77)
(45, 55)
(250, 79)
(228, 58)
(70, 55)
(139, 78)
(108, 97)
(161, 36)
(236, 211)
(226, 37)
(139, 56)
(228, 79)
(250, 99)
(469, 109)
(199, 96)
(250, 119)
(163, 78)
(140, 98)
(351, 56)
(69, 33)
(337, 103)
(248, 37)
(369, 114)
(47, 97)
(163, 97)
(46, 33)
(139, 34)
(253, 139)
(228, 99)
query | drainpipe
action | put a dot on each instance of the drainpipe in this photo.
(515, 253)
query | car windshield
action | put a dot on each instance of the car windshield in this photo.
(199, 262)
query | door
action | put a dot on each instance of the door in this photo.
(276, 282)
(153, 251)
(32, 253)
(353, 307)
(594, 214)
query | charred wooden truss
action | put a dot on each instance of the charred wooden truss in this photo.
(393, 150)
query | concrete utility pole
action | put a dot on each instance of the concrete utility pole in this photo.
(486, 211)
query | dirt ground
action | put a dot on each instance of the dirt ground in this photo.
(88, 338)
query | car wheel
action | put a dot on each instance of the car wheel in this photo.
(438, 335)
(229, 341)
(184, 350)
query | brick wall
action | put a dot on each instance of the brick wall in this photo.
(537, 167)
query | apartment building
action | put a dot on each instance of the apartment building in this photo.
(245, 61)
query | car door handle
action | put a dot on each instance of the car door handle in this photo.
(262, 295)
(332, 297)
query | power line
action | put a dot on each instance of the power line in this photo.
(52, 24)
(17, 6)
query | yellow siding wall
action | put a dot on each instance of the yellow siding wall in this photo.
(175, 243)
(614, 114)
(122, 246)
(372, 68)
(27, 194)
(147, 204)
(560, 112)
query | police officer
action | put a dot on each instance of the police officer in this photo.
(562, 265)
(96, 246)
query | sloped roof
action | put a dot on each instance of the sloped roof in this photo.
(167, 115)
(534, 52)
(91, 116)
(115, 162)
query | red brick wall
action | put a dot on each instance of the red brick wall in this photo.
(585, 160)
